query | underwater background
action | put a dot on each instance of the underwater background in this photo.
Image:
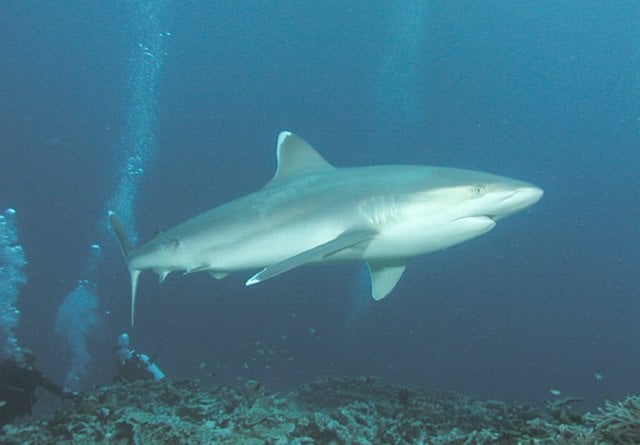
(161, 110)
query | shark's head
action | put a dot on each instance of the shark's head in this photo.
(486, 198)
(483, 195)
(495, 197)
(447, 206)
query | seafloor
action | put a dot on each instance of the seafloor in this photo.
(328, 411)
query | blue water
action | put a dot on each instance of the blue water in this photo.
(543, 91)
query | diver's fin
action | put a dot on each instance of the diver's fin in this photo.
(345, 240)
(384, 277)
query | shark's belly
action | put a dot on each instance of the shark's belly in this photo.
(414, 238)
(399, 240)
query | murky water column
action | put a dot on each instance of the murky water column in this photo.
(397, 90)
(360, 296)
(12, 277)
(78, 315)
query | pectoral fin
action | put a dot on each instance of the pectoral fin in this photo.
(384, 277)
(345, 240)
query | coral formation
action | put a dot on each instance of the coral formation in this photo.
(328, 411)
(617, 423)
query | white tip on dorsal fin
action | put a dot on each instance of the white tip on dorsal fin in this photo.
(296, 157)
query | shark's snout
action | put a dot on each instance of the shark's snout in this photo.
(527, 196)
(521, 198)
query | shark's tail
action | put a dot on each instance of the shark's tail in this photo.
(127, 247)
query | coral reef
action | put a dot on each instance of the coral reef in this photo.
(617, 423)
(328, 411)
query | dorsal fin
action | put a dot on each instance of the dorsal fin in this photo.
(296, 157)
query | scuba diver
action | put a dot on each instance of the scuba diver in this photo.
(132, 365)
(19, 380)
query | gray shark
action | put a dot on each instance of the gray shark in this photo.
(313, 212)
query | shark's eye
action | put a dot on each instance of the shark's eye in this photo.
(479, 191)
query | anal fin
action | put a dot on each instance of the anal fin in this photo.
(343, 241)
(219, 275)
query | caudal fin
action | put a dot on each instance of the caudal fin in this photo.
(127, 247)
(125, 244)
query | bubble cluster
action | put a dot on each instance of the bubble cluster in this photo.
(139, 144)
(12, 277)
(78, 314)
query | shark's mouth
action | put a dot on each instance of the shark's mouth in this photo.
(491, 218)
(475, 218)
(481, 223)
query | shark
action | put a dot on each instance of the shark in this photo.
(312, 212)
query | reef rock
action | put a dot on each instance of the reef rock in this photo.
(328, 411)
